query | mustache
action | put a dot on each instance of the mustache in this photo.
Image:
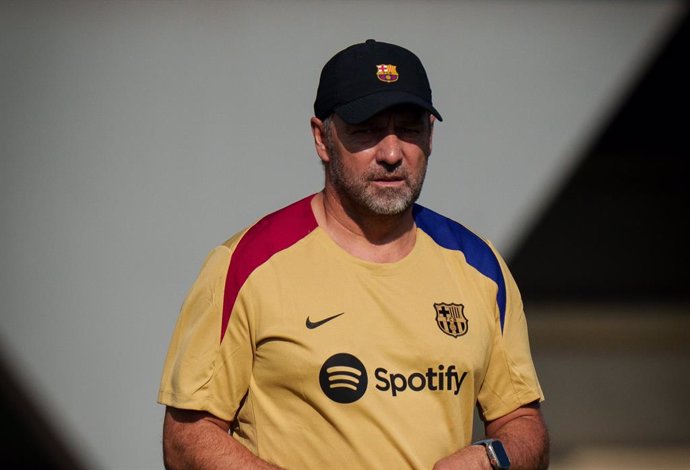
(393, 175)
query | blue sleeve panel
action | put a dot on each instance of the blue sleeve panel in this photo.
(453, 236)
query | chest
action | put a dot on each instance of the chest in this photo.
(410, 325)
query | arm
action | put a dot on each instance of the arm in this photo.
(522, 432)
(197, 439)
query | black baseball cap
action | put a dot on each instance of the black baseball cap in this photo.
(364, 79)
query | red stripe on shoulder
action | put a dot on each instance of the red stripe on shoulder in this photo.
(270, 235)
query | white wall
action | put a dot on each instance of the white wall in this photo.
(135, 136)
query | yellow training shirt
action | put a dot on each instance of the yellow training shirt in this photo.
(322, 360)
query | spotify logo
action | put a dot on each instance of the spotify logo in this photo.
(343, 378)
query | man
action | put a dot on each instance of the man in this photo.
(354, 328)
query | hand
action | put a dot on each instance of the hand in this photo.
(468, 458)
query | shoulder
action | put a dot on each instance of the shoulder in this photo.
(452, 235)
(274, 232)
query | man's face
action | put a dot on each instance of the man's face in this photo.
(379, 165)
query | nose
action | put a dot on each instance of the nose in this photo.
(389, 151)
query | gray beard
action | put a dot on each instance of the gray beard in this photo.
(380, 201)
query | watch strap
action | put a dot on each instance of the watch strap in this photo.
(498, 458)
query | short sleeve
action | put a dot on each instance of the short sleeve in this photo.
(511, 379)
(201, 372)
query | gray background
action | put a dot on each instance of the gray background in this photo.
(135, 136)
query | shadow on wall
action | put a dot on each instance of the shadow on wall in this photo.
(27, 440)
(605, 281)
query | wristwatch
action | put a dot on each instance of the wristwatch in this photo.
(496, 453)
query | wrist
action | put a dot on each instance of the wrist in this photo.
(472, 456)
(495, 453)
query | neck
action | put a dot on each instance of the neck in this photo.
(365, 235)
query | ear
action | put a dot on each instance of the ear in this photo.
(432, 119)
(318, 131)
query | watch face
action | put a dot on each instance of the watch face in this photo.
(501, 456)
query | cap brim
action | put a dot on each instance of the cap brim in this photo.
(361, 109)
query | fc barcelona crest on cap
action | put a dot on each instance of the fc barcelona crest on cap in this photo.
(451, 319)
(387, 73)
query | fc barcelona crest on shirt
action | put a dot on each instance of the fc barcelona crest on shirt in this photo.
(387, 73)
(451, 319)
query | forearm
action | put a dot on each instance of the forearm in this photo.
(204, 444)
(524, 436)
(526, 442)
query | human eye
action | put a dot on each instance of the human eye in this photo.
(364, 130)
(410, 131)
